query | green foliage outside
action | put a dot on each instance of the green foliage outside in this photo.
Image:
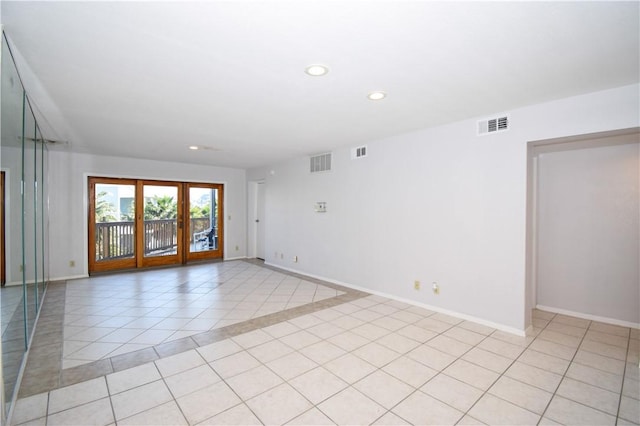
(199, 212)
(105, 211)
(160, 207)
(155, 208)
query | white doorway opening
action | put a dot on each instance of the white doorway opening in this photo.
(582, 231)
(256, 218)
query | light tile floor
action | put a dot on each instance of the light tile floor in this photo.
(109, 316)
(370, 360)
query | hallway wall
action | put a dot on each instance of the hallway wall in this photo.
(588, 231)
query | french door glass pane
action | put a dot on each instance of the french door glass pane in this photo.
(160, 220)
(115, 226)
(203, 219)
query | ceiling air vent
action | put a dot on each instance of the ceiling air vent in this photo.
(359, 152)
(320, 163)
(493, 125)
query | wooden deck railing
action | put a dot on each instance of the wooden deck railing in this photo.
(160, 235)
(115, 240)
(199, 224)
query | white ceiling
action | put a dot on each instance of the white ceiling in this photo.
(148, 79)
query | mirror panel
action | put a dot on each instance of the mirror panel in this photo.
(25, 167)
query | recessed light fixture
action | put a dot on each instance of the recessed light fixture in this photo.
(376, 96)
(203, 148)
(317, 70)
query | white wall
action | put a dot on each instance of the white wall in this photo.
(440, 204)
(589, 233)
(68, 201)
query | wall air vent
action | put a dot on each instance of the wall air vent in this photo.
(359, 152)
(320, 163)
(493, 125)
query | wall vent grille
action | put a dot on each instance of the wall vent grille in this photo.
(359, 152)
(493, 125)
(320, 163)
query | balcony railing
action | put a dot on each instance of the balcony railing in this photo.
(199, 224)
(115, 240)
(160, 236)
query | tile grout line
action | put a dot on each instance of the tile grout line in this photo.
(175, 400)
(564, 375)
(113, 409)
(485, 392)
(553, 394)
(624, 371)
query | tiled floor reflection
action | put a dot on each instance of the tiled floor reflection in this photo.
(12, 313)
(353, 359)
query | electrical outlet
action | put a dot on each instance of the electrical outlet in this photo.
(237, 248)
(416, 285)
(295, 259)
(436, 288)
(72, 263)
(21, 268)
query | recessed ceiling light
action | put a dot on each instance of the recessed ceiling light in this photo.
(204, 148)
(376, 96)
(316, 70)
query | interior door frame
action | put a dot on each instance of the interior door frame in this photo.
(255, 211)
(261, 250)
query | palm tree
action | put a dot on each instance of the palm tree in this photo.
(160, 207)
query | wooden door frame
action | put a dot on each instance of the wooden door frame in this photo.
(101, 266)
(138, 260)
(208, 254)
(142, 260)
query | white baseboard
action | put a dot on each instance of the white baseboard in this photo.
(466, 317)
(70, 277)
(590, 317)
(235, 258)
(528, 331)
(52, 279)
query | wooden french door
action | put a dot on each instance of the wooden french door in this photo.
(112, 224)
(160, 220)
(204, 223)
(141, 223)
